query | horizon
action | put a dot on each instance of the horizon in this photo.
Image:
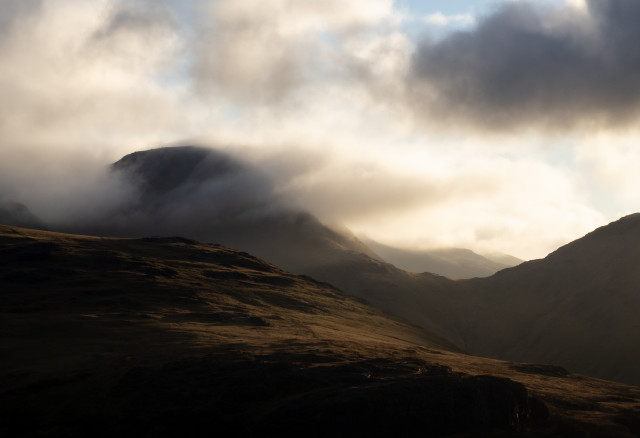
(503, 127)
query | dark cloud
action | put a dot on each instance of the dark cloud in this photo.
(556, 67)
(15, 11)
(135, 19)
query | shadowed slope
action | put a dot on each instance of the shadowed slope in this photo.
(168, 337)
(15, 213)
(577, 307)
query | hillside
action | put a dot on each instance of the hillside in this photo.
(577, 307)
(169, 337)
(450, 262)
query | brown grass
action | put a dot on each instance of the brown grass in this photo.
(92, 326)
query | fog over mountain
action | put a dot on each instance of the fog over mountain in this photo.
(208, 195)
(15, 213)
(544, 311)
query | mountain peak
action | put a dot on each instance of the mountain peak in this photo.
(626, 223)
(159, 171)
(622, 235)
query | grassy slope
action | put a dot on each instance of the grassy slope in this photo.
(166, 337)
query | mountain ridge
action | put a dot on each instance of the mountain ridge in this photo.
(454, 263)
(585, 289)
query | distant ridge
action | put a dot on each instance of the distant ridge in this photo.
(450, 262)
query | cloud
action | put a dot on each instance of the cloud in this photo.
(440, 19)
(81, 83)
(554, 67)
(524, 207)
(320, 95)
(85, 71)
(272, 52)
(343, 190)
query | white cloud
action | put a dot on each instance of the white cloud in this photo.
(522, 208)
(440, 19)
(580, 5)
(266, 51)
(608, 164)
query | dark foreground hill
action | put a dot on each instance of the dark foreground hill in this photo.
(169, 337)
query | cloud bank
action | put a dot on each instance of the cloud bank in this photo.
(555, 67)
(348, 115)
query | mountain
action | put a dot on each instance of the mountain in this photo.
(212, 197)
(450, 262)
(577, 307)
(504, 259)
(167, 337)
(16, 213)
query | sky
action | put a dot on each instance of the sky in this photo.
(499, 126)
